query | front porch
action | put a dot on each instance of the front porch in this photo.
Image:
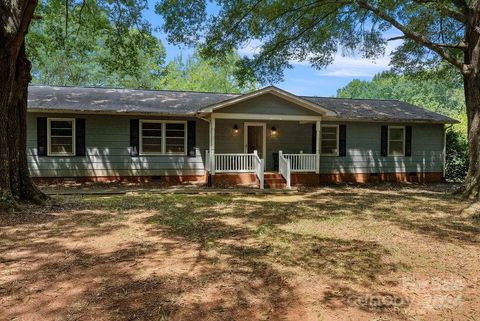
(267, 131)
(263, 151)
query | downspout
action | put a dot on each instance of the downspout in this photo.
(445, 148)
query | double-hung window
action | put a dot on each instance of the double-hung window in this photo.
(163, 137)
(329, 135)
(396, 141)
(61, 136)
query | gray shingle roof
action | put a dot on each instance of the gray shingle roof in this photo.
(379, 110)
(121, 100)
(188, 103)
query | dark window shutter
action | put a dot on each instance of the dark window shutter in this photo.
(134, 137)
(42, 136)
(408, 141)
(80, 137)
(191, 139)
(314, 138)
(342, 140)
(384, 141)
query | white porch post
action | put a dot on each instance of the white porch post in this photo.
(212, 145)
(317, 152)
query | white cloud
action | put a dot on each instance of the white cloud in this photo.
(342, 66)
(354, 66)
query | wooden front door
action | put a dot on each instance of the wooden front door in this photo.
(255, 138)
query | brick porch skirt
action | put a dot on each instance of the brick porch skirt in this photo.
(306, 179)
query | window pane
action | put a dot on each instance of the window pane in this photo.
(173, 126)
(61, 136)
(175, 145)
(329, 140)
(61, 145)
(396, 133)
(152, 148)
(155, 126)
(152, 129)
(61, 124)
(329, 147)
(61, 132)
(396, 148)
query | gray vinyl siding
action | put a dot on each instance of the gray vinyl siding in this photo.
(292, 137)
(108, 153)
(363, 151)
(268, 104)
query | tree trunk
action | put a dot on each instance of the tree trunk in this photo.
(15, 182)
(471, 186)
(471, 83)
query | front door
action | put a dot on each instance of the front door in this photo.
(255, 138)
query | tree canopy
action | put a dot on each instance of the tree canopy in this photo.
(314, 31)
(85, 44)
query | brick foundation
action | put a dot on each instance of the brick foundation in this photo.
(233, 179)
(434, 177)
(169, 180)
(248, 179)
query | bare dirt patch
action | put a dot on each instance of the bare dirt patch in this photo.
(335, 253)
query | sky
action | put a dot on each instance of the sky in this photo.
(301, 79)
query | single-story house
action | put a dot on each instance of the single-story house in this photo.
(268, 137)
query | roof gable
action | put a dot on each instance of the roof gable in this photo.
(271, 90)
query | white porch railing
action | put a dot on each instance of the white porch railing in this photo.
(236, 163)
(284, 168)
(302, 162)
(259, 169)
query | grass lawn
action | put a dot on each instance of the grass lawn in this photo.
(336, 253)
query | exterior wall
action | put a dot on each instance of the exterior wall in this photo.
(268, 104)
(363, 151)
(108, 154)
(291, 137)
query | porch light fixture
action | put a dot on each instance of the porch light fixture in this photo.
(273, 131)
(235, 129)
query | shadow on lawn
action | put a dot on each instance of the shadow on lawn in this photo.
(243, 259)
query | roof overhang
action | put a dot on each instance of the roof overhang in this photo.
(274, 91)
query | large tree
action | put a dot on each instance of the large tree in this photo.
(15, 19)
(433, 32)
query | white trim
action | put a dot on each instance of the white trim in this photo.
(403, 141)
(265, 117)
(264, 140)
(275, 91)
(49, 134)
(164, 137)
(337, 139)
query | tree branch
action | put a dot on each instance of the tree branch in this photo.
(412, 35)
(457, 15)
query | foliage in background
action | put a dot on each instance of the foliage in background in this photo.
(199, 74)
(88, 46)
(442, 94)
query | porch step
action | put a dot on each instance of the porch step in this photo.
(274, 181)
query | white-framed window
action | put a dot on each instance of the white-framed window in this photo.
(329, 140)
(61, 136)
(163, 137)
(396, 140)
